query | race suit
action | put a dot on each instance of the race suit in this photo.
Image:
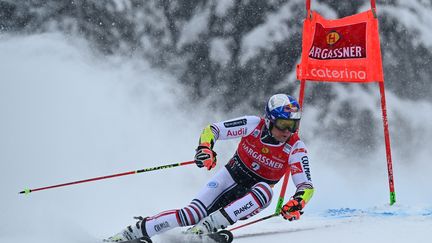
(243, 187)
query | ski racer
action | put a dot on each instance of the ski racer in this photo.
(268, 148)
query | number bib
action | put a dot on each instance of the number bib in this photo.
(266, 160)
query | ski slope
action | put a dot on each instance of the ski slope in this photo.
(67, 115)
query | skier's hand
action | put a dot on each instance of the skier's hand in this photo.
(292, 209)
(205, 157)
(292, 215)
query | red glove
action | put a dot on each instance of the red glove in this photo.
(292, 209)
(205, 157)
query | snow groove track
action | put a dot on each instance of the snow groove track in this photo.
(344, 222)
(278, 232)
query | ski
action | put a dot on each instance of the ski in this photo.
(222, 236)
(141, 240)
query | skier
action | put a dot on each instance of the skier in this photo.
(269, 147)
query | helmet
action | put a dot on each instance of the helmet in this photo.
(283, 112)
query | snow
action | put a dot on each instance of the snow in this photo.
(415, 17)
(355, 228)
(276, 28)
(67, 115)
(219, 51)
(222, 7)
(193, 28)
(273, 30)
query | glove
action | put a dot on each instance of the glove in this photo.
(292, 209)
(205, 157)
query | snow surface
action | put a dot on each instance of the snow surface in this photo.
(68, 115)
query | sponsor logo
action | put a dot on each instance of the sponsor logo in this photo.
(256, 133)
(258, 157)
(290, 108)
(332, 37)
(296, 168)
(299, 150)
(344, 42)
(240, 132)
(338, 73)
(265, 150)
(337, 53)
(287, 148)
(306, 168)
(212, 184)
(161, 226)
(235, 123)
(243, 208)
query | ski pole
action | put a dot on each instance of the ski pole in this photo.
(255, 221)
(28, 191)
(278, 206)
(282, 193)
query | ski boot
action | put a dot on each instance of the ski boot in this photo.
(212, 223)
(212, 227)
(132, 234)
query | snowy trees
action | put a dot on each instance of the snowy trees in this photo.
(236, 52)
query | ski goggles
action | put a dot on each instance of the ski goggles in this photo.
(287, 124)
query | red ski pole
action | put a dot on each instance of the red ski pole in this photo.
(278, 206)
(27, 191)
(255, 221)
(282, 193)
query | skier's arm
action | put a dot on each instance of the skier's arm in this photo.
(234, 128)
(207, 137)
(301, 176)
(205, 156)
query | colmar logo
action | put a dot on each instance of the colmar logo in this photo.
(234, 133)
(305, 163)
(296, 168)
(161, 226)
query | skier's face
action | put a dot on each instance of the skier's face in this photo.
(280, 135)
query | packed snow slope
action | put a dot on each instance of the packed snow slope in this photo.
(67, 115)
